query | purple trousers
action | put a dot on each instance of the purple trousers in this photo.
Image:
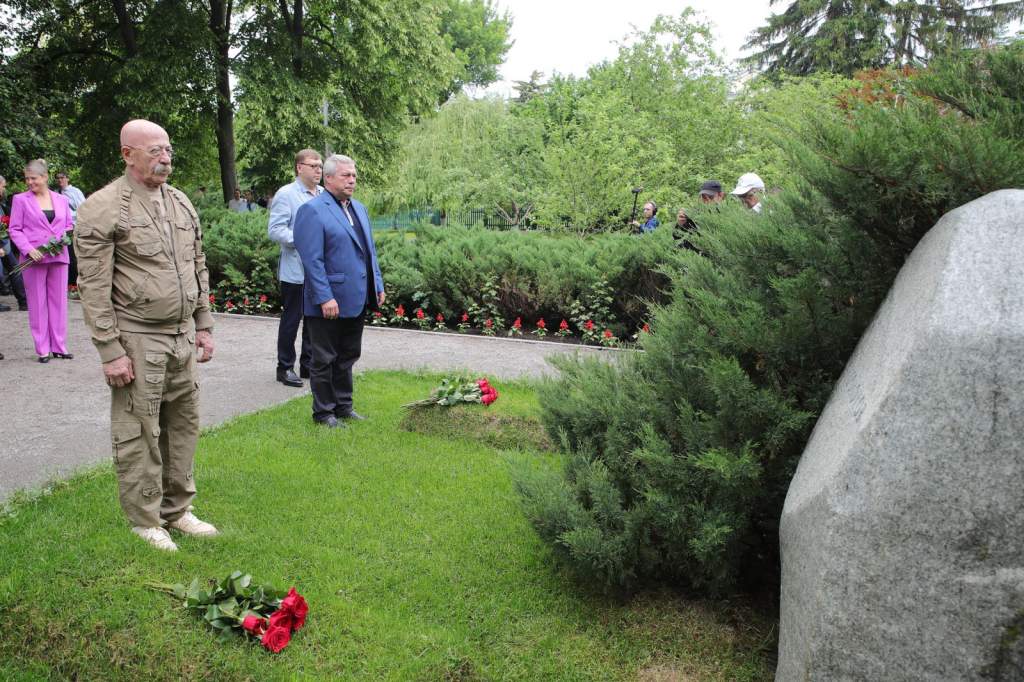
(46, 288)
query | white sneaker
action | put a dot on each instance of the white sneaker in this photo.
(158, 537)
(188, 524)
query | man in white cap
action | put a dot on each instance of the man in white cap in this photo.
(748, 189)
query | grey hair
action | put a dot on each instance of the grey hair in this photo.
(335, 160)
(3, 179)
(37, 166)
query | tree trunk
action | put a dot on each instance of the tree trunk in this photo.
(220, 25)
(126, 28)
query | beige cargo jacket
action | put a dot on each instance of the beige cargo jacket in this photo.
(133, 274)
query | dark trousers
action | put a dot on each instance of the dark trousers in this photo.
(72, 265)
(336, 346)
(10, 261)
(288, 327)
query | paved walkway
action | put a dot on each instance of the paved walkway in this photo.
(57, 415)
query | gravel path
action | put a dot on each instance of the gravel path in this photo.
(57, 415)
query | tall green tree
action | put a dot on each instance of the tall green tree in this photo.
(478, 36)
(84, 68)
(349, 76)
(844, 36)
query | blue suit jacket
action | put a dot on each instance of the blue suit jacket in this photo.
(332, 257)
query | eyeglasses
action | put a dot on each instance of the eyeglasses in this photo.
(156, 150)
(315, 166)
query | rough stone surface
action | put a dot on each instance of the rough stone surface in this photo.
(56, 416)
(903, 530)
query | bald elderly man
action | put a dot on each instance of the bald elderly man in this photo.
(145, 294)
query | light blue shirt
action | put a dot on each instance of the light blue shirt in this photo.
(282, 223)
(75, 198)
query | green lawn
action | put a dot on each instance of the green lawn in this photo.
(411, 549)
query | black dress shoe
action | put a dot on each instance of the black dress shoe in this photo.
(353, 415)
(4, 308)
(289, 378)
(304, 372)
(331, 422)
(64, 356)
(44, 359)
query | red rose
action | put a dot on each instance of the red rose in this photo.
(482, 383)
(440, 317)
(607, 333)
(5, 219)
(254, 625)
(281, 618)
(419, 313)
(564, 325)
(245, 301)
(378, 313)
(646, 328)
(276, 638)
(263, 298)
(229, 305)
(296, 605)
(211, 298)
(489, 398)
(465, 317)
(517, 324)
(589, 325)
(541, 324)
(400, 311)
(489, 323)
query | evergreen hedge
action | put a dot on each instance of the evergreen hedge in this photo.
(679, 460)
(609, 278)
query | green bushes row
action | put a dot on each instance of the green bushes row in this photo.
(679, 460)
(241, 258)
(610, 279)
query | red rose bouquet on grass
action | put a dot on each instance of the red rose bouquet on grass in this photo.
(238, 606)
(458, 389)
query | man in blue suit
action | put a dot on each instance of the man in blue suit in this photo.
(342, 279)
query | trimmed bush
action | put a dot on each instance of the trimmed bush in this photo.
(241, 258)
(609, 278)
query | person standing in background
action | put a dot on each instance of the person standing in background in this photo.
(281, 229)
(75, 199)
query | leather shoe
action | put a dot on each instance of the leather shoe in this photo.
(4, 308)
(63, 356)
(331, 422)
(304, 372)
(44, 359)
(353, 415)
(289, 378)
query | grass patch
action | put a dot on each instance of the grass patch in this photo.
(411, 549)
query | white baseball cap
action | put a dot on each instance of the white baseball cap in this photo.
(748, 182)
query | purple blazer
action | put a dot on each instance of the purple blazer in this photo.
(29, 227)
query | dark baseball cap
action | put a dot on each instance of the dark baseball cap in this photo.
(711, 188)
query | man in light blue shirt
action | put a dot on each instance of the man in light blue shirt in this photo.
(308, 170)
(75, 199)
(73, 194)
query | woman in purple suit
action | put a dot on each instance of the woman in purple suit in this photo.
(37, 216)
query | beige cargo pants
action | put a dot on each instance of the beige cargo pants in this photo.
(154, 427)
